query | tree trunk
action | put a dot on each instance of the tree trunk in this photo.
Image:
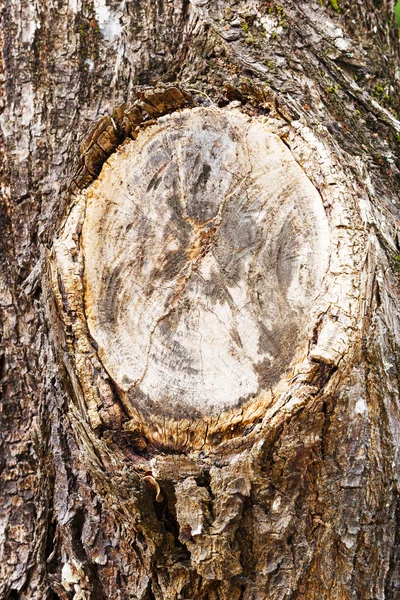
(246, 216)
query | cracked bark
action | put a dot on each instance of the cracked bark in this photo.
(293, 498)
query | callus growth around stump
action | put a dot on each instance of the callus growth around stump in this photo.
(197, 260)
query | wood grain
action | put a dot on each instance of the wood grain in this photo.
(204, 246)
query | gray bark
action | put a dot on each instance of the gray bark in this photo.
(303, 504)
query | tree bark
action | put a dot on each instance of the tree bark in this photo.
(292, 494)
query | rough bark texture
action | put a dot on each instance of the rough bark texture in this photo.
(303, 502)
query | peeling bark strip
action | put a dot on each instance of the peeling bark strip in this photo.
(125, 122)
(113, 486)
(202, 275)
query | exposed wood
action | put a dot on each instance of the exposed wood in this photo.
(198, 268)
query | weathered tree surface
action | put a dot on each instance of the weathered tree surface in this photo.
(200, 310)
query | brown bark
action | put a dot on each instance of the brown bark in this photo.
(301, 504)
